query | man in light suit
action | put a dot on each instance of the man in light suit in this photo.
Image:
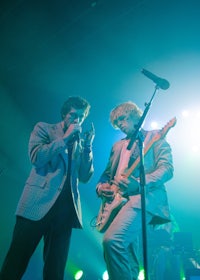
(120, 240)
(49, 206)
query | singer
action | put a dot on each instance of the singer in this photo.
(49, 206)
(120, 240)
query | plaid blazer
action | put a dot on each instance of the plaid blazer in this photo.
(49, 157)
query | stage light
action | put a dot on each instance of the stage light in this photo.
(188, 133)
(105, 276)
(154, 125)
(141, 275)
(185, 113)
(78, 275)
(195, 149)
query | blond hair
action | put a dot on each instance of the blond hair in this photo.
(127, 108)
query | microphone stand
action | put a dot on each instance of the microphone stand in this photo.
(138, 136)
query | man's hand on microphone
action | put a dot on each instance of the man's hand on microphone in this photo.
(71, 132)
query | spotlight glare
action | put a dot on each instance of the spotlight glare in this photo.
(141, 275)
(154, 125)
(105, 276)
(195, 148)
(185, 113)
(78, 275)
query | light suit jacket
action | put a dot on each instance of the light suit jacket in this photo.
(158, 167)
(49, 157)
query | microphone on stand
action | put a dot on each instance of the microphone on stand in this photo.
(160, 82)
(75, 137)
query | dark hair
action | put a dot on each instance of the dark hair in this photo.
(74, 102)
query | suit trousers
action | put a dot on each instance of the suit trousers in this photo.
(121, 243)
(55, 228)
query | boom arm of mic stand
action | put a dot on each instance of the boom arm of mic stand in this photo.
(139, 125)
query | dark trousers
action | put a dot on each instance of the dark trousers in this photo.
(55, 229)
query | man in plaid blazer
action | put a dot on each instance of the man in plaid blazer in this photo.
(50, 206)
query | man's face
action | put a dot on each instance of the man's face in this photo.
(74, 116)
(126, 123)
